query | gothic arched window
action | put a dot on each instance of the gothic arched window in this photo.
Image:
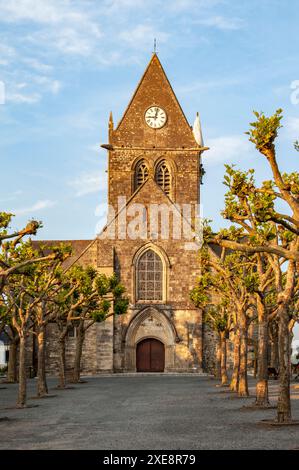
(149, 276)
(163, 177)
(141, 174)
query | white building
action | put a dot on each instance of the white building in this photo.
(3, 351)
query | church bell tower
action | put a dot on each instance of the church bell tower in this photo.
(154, 160)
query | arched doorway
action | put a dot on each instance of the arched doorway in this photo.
(150, 356)
(149, 323)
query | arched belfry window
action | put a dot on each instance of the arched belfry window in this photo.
(141, 174)
(149, 272)
(163, 177)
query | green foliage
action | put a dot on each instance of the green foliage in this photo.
(93, 293)
(102, 284)
(98, 316)
(232, 233)
(15, 237)
(101, 313)
(114, 282)
(118, 290)
(121, 306)
(291, 180)
(239, 182)
(252, 282)
(5, 219)
(218, 318)
(199, 297)
(264, 130)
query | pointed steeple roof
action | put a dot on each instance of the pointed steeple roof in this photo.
(154, 89)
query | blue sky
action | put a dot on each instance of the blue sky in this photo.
(66, 64)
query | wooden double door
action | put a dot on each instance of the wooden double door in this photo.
(150, 356)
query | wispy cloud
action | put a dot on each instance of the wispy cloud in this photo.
(67, 26)
(21, 98)
(204, 85)
(38, 206)
(227, 149)
(37, 65)
(7, 53)
(142, 36)
(67, 40)
(52, 85)
(63, 26)
(222, 22)
(88, 183)
(193, 5)
(45, 12)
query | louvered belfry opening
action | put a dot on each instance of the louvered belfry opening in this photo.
(163, 177)
(150, 277)
(141, 174)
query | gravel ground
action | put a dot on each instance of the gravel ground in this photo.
(142, 412)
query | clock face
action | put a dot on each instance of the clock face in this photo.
(155, 117)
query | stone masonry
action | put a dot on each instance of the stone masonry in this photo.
(173, 320)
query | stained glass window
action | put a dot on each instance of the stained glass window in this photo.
(150, 277)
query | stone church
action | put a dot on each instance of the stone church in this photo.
(153, 161)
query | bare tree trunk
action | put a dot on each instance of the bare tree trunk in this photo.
(243, 381)
(262, 393)
(235, 377)
(78, 352)
(62, 377)
(274, 359)
(42, 388)
(255, 361)
(218, 358)
(21, 403)
(12, 362)
(224, 377)
(284, 402)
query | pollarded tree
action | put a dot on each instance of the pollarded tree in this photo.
(42, 284)
(280, 242)
(63, 307)
(246, 207)
(220, 318)
(230, 278)
(9, 263)
(102, 297)
(84, 298)
(23, 295)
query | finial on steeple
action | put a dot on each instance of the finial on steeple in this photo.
(197, 131)
(110, 127)
(155, 46)
(111, 121)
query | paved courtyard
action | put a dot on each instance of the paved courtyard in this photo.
(142, 412)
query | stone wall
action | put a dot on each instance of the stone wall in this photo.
(97, 354)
